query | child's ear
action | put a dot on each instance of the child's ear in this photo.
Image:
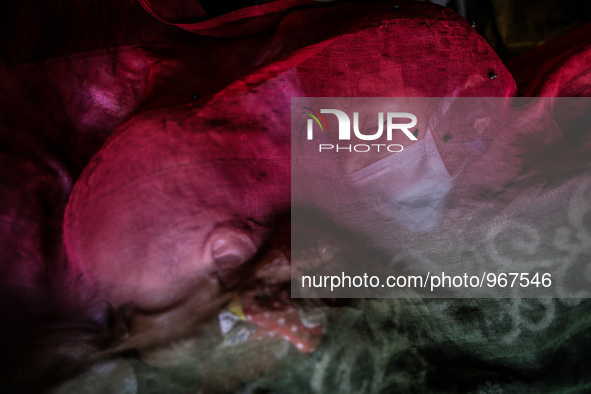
(230, 249)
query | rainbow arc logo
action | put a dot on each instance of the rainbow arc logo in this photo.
(315, 115)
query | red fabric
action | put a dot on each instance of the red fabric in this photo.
(560, 68)
(244, 21)
(174, 12)
(415, 50)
